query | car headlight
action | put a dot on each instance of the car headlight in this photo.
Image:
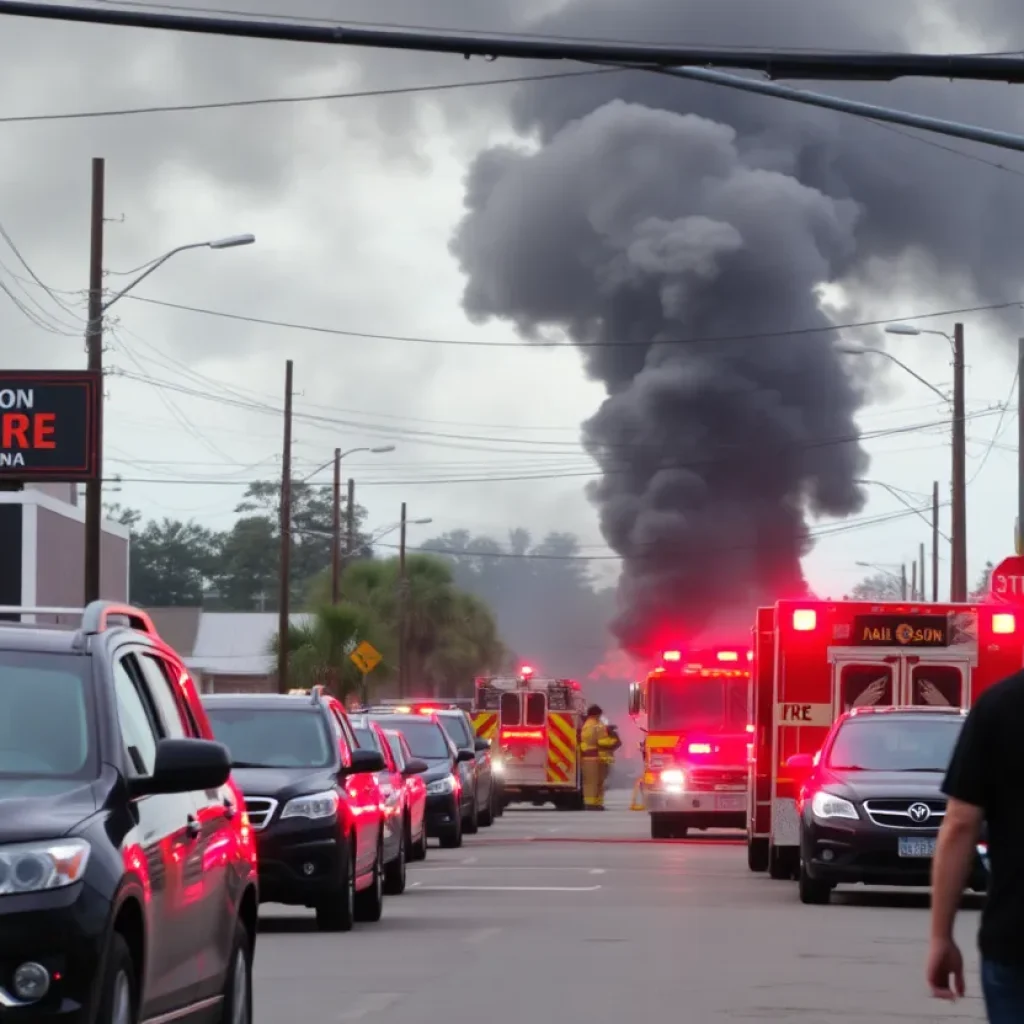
(314, 805)
(827, 805)
(497, 767)
(33, 867)
(440, 787)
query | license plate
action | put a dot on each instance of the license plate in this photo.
(910, 847)
(731, 803)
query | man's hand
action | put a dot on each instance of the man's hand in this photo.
(946, 970)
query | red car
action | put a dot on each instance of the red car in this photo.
(398, 838)
(416, 788)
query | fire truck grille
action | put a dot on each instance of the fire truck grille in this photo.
(260, 810)
(712, 778)
(906, 814)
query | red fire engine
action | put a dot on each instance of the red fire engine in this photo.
(696, 742)
(814, 660)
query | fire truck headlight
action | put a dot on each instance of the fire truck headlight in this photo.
(827, 805)
(673, 780)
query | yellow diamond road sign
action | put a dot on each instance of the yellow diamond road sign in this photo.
(366, 657)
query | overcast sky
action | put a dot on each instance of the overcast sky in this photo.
(354, 202)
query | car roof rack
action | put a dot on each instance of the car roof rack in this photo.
(95, 616)
(316, 694)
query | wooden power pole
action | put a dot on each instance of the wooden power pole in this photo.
(958, 567)
(402, 609)
(935, 542)
(94, 349)
(286, 536)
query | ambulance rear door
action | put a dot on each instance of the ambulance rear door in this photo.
(885, 677)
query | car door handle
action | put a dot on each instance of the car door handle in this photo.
(193, 828)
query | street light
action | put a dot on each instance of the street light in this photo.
(350, 513)
(849, 350)
(901, 579)
(94, 348)
(958, 565)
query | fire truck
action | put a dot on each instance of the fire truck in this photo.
(534, 726)
(697, 739)
(815, 660)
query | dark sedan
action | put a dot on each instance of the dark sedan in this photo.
(871, 804)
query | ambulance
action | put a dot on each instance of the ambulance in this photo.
(694, 710)
(534, 726)
(815, 660)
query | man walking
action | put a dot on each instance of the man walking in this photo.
(983, 785)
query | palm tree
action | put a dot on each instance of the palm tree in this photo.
(318, 652)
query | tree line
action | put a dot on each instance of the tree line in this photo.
(887, 586)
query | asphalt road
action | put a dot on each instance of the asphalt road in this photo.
(580, 918)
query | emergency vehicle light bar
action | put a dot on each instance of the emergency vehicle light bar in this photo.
(522, 734)
(728, 656)
(672, 656)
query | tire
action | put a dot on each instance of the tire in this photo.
(237, 1005)
(451, 837)
(119, 996)
(471, 824)
(394, 873)
(418, 850)
(369, 904)
(661, 827)
(757, 854)
(338, 912)
(812, 892)
(499, 802)
(780, 863)
(487, 814)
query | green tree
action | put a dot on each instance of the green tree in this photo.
(984, 584)
(882, 586)
(171, 562)
(318, 652)
(246, 578)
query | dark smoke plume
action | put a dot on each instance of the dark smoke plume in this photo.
(656, 212)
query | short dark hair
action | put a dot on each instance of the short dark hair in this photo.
(593, 711)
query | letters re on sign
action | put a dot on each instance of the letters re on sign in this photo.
(901, 631)
(48, 425)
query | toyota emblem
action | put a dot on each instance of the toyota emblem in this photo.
(919, 812)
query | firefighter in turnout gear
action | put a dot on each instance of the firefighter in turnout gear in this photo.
(595, 741)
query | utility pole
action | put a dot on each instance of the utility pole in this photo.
(958, 573)
(350, 521)
(935, 542)
(1019, 547)
(402, 609)
(903, 582)
(922, 592)
(913, 580)
(94, 348)
(336, 529)
(286, 536)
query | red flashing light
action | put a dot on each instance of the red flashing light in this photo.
(672, 656)
(750, 729)
(522, 734)
(805, 620)
(1004, 623)
(699, 748)
(526, 671)
(750, 655)
(728, 656)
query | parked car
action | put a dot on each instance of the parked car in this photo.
(416, 789)
(313, 801)
(113, 798)
(459, 727)
(449, 799)
(397, 817)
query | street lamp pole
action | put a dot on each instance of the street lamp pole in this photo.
(402, 606)
(94, 350)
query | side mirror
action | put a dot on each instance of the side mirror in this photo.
(183, 766)
(414, 766)
(367, 762)
(800, 762)
(466, 755)
(480, 745)
(636, 700)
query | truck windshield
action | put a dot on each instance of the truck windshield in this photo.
(895, 744)
(682, 702)
(46, 733)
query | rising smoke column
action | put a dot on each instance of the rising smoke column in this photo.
(642, 233)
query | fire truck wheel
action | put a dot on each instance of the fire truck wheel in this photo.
(757, 854)
(661, 826)
(782, 863)
(813, 892)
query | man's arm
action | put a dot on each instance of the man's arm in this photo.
(954, 858)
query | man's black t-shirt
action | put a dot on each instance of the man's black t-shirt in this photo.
(987, 771)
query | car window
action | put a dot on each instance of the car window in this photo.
(395, 746)
(273, 737)
(895, 745)
(366, 738)
(382, 745)
(46, 722)
(346, 728)
(168, 703)
(458, 730)
(426, 740)
(139, 730)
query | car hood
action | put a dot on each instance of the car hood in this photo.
(38, 809)
(886, 785)
(282, 782)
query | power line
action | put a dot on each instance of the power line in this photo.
(705, 340)
(999, 428)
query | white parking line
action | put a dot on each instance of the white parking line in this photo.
(509, 888)
(596, 871)
(372, 1003)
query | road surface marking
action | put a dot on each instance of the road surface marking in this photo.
(482, 935)
(511, 888)
(596, 871)
(470, 860)
(368, 1004)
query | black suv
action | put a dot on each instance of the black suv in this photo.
(313, 800)
(127, 873)
(871, 805)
